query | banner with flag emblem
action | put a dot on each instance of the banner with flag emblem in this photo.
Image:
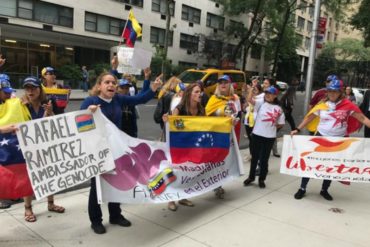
(199, 139)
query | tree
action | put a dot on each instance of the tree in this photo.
(361, 20)
(348, 58)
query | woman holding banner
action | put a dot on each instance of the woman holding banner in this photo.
(190, 105)
(225, 103)
(335, 117)
(38, 107)
(104, 96)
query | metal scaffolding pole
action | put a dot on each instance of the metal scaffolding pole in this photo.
(312, 55)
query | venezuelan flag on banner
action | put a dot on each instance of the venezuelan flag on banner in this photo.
(132, 30)
(199, 139)
(60, 95)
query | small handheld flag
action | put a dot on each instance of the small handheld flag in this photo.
(132, 30)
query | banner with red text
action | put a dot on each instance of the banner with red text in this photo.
(145, 174)
(333, 158)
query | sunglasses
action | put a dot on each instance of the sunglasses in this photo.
(223, 82)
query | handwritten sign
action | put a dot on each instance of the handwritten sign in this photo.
(125, 55)
(64, 150)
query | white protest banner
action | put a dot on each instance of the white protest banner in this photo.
(125, 55)
(332, 158)
(64, 150)
(144, 172)
(141, 58)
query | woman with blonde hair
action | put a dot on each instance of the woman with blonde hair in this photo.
(225, 103)
(164, 99)
(104, 96)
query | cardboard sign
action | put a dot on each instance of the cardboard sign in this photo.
(64, 150)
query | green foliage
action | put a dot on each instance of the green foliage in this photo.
(348, 58)
(361, 20)
(101, 67)
(70, 71)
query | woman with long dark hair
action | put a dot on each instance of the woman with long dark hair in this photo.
(269, 119)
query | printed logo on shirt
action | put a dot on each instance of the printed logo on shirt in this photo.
(272, 116)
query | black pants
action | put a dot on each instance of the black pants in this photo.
(325, 184)
(261, 149)
(249, 130)
(290, 119)
(367, 132)
(95, 213)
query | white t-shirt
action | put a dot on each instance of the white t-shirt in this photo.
(333, 122)
(267, 117)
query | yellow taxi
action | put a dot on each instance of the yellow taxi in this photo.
(209, 78)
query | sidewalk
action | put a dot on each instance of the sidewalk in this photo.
(248, 216)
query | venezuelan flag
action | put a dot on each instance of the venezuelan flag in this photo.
(199, 139)
(60, 95)
(132, 30)
(14, 182)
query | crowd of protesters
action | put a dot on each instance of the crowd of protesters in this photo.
(262, 107)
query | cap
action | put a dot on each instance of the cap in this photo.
(331, 77)
(180, 87)
(4, 77)
(272, 90)
(335, 85)
(5, 86)
(47, 70)
(31, 80)
(123, 82)
(224, 78)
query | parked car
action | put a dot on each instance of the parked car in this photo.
(359, 94)
(209, 78)
(282, 85)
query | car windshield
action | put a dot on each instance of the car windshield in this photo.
(191, 76)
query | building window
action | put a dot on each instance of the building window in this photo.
(309, 26)
(161, 7)
(229, 49)
(189, 42)
(311, 10)
(8, 7)
(307, 43)
(25, 9)
(211, 46)
(187, 65)
(103, 24)
(190, 14)
(256, 51)
(300, 23)
(303, 6)
(138, 3)
(157, 36)
(215, 21)
(45, 12)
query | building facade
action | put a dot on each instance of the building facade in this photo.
(37, 33)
